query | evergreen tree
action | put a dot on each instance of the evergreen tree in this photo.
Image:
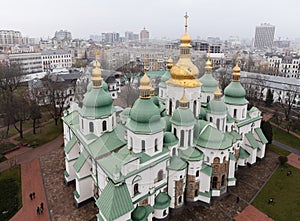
(266, 127)
(269, 98)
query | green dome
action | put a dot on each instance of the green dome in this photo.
(168, 125)
(170, 139)
(125, 112)
(162, 201)
(166, 76)
(217, 107)
(144, 111)
(155, 100)
(191, 154)
(177, 164)
(235, 93)
(97, 103)
(139, 213)
(209, 83)
(183, 117)
(104, 85)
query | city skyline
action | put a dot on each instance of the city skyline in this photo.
(163, 19)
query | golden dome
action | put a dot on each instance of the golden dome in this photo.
(183, 102)
(184, 73)
(217, 94)
(170, 63)
(96, 75)
(236, 75)
(145, 86)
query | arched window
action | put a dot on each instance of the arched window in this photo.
(216, 160)
(136, 189)
(197, 173)
(175, 132)
(155, 145)
(82, 125)
(189, 138)
(170, 107)
(160, 175)
(218, 123)
(223, 180)
(177, 104)
(214, 182)
(131, 142)
(181, 138)
(104, 126)
(112, 121)
(196, 192)
(195, 108)
(143, 145)
(207, 99)
(210, 119)
(234, 113)
(174, 151)
(226, 128)
(91, 127)
(179, 199)
(165, 212)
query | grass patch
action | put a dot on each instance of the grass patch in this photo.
(278, 150)
(285, 192)
(6, 147)
(285, 138)
(43, 134)
(11, 192)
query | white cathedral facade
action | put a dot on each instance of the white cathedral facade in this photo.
(183, 145)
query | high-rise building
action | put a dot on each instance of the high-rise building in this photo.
(264, 35)
(144, 35)
(10, 37)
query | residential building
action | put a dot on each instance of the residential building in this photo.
(264, 36)
(165, 150)
(56, 59)
(29, 62)
(10, 37)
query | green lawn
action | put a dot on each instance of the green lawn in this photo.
(278, 150)
(43, 134)
(286, 194)
(6, 146)
(286, 138)
(11, 192)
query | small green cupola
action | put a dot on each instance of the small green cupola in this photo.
(235, 93)
(209, 83)
(217, 105)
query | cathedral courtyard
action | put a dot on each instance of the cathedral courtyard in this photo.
(250, 181)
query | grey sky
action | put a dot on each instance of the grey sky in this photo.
(163, 18)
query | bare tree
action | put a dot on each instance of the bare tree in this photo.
(288, 100)
(223, 75)
(10, 80)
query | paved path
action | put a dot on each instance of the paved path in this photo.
(286, 147)
(294, 160)
(32, 182)
(252, 214)
(32, 154)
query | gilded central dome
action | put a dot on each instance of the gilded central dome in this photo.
(184, 73)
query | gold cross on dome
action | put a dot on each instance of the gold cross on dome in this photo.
(186, 18)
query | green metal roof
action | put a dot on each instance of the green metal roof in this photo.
(107, 142)
(202, 114)
(71, 119)
(114, 201)
(162, 201)
(80, 160)
(235, 134)
(212, 138)
(217, 107)
(177, 164)
(70, 144)
(235, 90)
(144, 127)
(145, 157)
(170, 139)
(191, 154)
(229, 119)
(248, 120)
(141, 213)
(254, 144)
(232, 157)
(183, 117)
(235, 101)
(206, 194)
(261, 135)
(243, 154)
(97, 103)
(207, 170)
(162, 85)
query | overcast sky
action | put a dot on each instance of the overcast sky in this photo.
(163, 18)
